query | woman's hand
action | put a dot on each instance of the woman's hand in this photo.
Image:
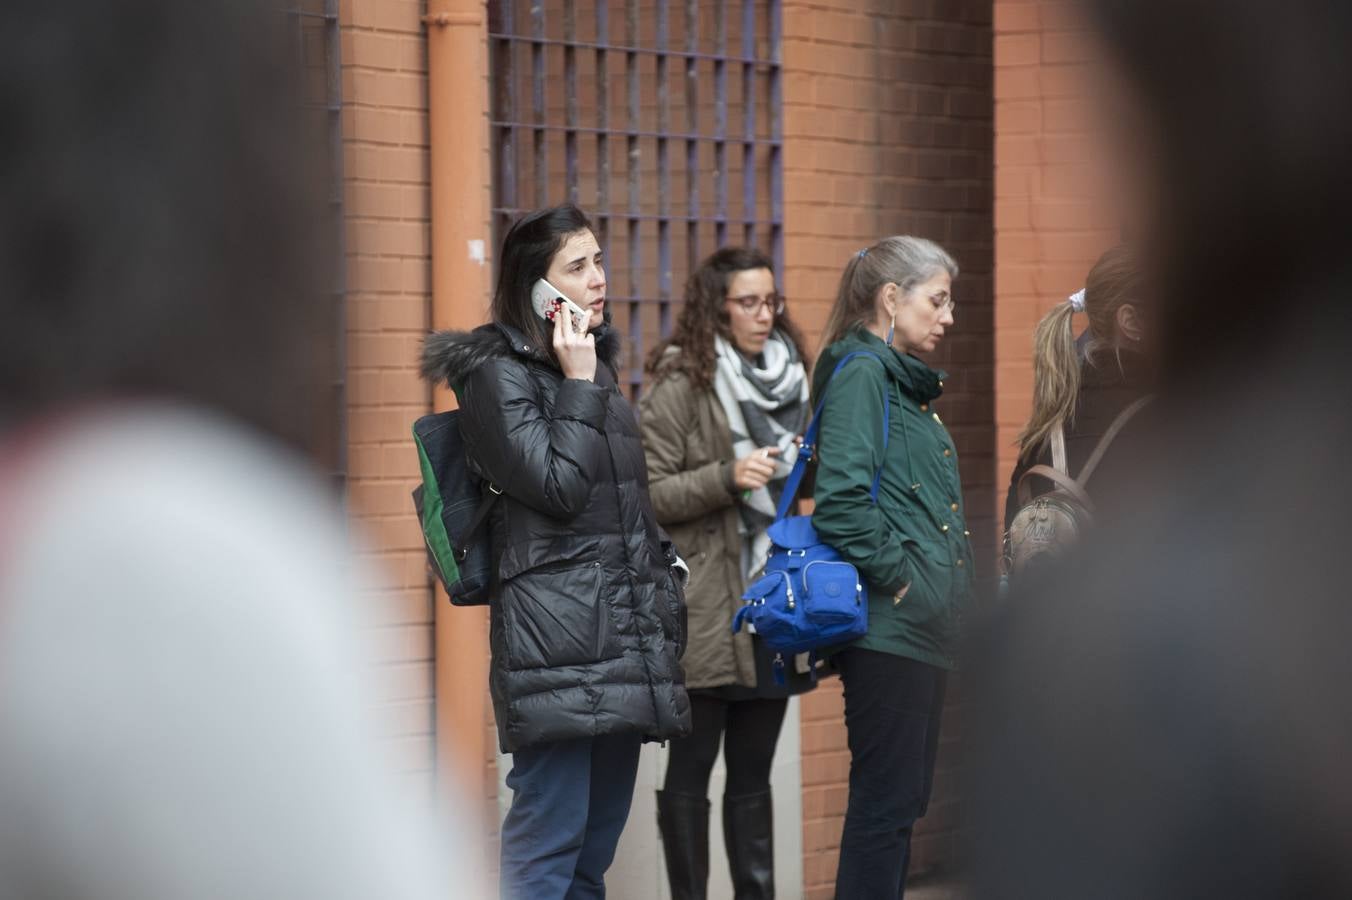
(756, 469)
(576, 351)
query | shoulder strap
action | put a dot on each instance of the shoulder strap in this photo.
(1057, 472)
(1118, 424)
(809, 447)
(1059, 478)
(1058, 437)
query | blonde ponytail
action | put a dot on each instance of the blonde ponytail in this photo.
(1056, 379)
(1113, 281)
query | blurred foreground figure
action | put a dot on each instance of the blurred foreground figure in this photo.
(1169, 715)
(184, 705)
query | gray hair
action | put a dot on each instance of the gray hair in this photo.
(902, 260)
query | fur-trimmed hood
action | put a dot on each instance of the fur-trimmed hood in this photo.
(449, 356)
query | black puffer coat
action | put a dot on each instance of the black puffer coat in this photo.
(587, 619)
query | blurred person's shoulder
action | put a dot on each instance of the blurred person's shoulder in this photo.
(149, 468)
(183, 612)
(161, 498)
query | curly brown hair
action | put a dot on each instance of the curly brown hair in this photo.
(705, 314)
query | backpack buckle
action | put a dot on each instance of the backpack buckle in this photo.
(493, 488)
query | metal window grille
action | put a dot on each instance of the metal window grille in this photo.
(588, 107)
(312, 26)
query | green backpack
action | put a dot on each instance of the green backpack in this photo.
(452, 508)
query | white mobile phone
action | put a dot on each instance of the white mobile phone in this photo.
(546, 299)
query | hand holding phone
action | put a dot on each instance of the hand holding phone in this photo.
(547, 300)
(574, 348)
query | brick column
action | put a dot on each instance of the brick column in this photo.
(887, 112)
(1049, 229)
(386, 201)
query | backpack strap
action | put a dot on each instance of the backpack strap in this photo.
(1057, 472)
(1118, 424)
(809, 447)
(1059, 478)
(1058, 441)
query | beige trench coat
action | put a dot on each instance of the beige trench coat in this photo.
(688, 446)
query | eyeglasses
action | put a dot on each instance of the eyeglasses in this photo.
(752, 305)
(942, 303)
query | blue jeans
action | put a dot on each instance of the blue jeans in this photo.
(570, 800)
(892, 711)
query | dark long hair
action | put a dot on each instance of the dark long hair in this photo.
(527, 250)
(164, 234)
(705, 314)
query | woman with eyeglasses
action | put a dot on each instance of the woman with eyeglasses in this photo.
(728, 400)
(897, 515)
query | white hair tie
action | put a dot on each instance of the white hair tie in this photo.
(1076, 300)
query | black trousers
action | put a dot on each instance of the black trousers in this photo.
(748, 729)
(892, 711)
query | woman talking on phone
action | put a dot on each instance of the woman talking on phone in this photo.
(586, 617)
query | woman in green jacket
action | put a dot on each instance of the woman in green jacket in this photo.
(911, 546)
(728, 400)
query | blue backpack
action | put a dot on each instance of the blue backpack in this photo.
(808, 597)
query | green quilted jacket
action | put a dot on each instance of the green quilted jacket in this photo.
(915, 536)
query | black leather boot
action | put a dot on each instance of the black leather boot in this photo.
(683, 820)
(748, 834)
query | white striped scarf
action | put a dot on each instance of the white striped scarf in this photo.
(766, 405)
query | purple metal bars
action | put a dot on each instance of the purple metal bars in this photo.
(663, 185)
(502, 21)
(749, 122)
(721, 123)
(537, 65)
(775, 146)
(641, 122)
(635, 207)
(570, 99)
(692, 256)
(603, 126)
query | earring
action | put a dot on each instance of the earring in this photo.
(892, 329)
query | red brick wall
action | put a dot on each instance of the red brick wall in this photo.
(386, 204)
(887, 112)
(887, 130)
(1051, 222)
